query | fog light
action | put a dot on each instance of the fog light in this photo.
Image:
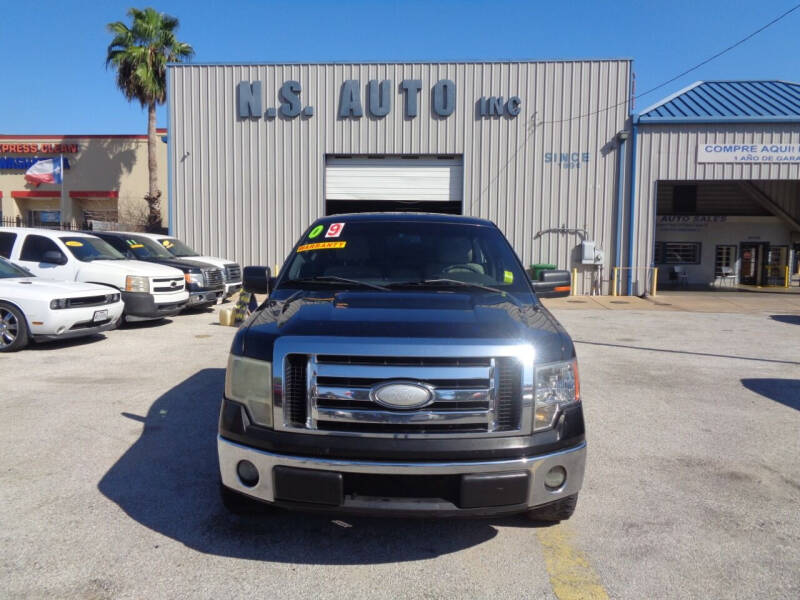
(248, 474)
(554, 479)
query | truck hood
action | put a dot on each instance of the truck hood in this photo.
(417, 314)
(178, 263)
(133, 267)
(205, 261)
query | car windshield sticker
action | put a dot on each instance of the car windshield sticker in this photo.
(508, 277)
(334, 230)
(322, 246)
(167, 244)
(74, 244)
(315, 232)
(134, 244)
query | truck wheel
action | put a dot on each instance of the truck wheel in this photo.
(239, 504)
(560, 510)
(13, 328)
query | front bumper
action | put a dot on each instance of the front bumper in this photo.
(142, 306)
(69, 323)
(204, 298)
(341, 485)
(232, 287)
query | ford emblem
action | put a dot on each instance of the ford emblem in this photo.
(402, 394)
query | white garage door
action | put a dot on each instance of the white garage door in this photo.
(394, 179)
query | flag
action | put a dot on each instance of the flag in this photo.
(45, 171)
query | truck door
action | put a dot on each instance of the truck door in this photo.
(44, 258)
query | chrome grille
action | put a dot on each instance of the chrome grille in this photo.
(233, 273)
(213, 278)
(471, 395)
(167, 284)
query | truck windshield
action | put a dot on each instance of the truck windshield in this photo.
(177, 248)
(406, 254)
(87, 249)
(143, 247)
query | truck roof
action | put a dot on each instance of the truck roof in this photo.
(406, 216)
(46, 232)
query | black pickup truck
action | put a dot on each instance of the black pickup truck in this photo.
(204, 282)
(403, 364)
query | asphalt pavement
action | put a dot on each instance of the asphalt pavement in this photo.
(108, 477)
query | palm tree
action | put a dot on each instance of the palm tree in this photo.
(140, 53)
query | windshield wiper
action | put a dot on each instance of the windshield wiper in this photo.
(337, 279)
(460, 283)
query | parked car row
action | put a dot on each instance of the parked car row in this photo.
(57, 268)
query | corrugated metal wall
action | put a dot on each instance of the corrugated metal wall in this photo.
(246, 189)
(669, 152)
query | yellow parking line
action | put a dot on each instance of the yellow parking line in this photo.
(571, 575)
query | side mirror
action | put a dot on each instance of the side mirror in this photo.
(54, 257)
(553, 284)
(257, 280)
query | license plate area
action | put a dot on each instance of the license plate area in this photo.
(100, 315)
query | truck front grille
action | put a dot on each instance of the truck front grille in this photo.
(164, 285)
(480, 395)
(233, 273)
(213, 278)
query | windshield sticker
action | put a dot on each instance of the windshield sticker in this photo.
(74, 244)
(508, 277)
(334, 230)
(315, 232)
(167, 244)
(322, 246)
(134, 244)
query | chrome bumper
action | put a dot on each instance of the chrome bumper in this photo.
(572, 459)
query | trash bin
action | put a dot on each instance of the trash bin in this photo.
(538, 268)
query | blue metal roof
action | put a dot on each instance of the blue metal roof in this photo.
(729, 102)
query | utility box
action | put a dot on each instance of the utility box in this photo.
(591, 254)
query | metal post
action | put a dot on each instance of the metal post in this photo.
(786, 277)
(655, 281)
(573, 291)
(614, 281)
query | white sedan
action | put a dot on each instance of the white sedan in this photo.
(42, 310)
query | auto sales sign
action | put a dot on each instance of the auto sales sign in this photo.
(748, 153)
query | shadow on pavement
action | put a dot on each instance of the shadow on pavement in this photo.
(789, 319)
(67, 343)
(167, 481)
(784, 391)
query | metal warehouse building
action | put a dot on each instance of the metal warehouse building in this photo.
(547, 150)
(256, 152)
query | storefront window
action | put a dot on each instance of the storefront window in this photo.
(724, 259)
(677, 253)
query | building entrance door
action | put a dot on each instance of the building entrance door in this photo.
(752, 262)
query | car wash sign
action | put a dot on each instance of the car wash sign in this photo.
(748, 153)
(377, 99)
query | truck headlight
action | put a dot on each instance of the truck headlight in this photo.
(196, 278)
(137, 283)
(557, 384)
(249, 381)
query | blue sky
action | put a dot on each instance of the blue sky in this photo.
(53, 78)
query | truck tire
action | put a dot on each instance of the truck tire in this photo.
(560, 510)
(13, 328)
(239, 504)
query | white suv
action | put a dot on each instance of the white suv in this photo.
(150, 291)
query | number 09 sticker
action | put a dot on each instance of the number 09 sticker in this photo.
(334, 230)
